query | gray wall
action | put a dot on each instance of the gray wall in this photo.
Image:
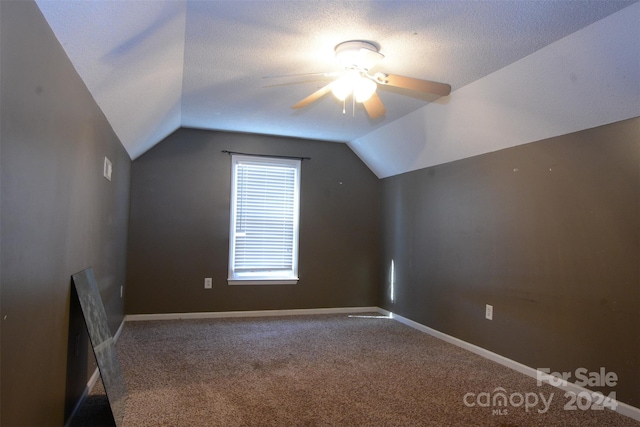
(548, 233)
(59, 216)
(179, 229)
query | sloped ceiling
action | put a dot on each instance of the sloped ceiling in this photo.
(154, 66)
(587, 79)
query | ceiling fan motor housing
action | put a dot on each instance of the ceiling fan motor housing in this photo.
(358, 54)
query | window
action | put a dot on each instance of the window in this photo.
(263, 243)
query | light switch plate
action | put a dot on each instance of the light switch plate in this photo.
(107, 169)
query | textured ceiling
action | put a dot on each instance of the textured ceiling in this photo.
(154, 66)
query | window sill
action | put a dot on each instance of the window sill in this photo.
(254, 281)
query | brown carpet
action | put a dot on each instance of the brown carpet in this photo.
(321, 370)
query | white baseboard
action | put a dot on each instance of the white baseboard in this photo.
(622, 408)
(119, 331)
(256, 313)
(628, 410)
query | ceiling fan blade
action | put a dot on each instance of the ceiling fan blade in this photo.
(284, 76)
(374, 106)
(314, 96)
(419, 85)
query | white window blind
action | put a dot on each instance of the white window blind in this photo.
(264, 220)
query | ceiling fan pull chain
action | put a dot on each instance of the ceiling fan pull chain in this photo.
(353, 104)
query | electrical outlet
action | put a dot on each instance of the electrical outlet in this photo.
(207, 283)
(489, 312)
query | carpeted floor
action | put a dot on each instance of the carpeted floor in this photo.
(324, 370)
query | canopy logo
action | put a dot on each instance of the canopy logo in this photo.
(499, 401)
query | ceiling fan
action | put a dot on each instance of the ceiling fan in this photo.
(358, 57)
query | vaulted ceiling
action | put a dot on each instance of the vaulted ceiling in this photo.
(154, 66)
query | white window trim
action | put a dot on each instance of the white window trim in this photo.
(263, 278)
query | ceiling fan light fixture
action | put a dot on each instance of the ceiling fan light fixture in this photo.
(343, 86)
(364, 89)
(353, 83)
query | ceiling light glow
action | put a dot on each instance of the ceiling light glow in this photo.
(353, 83)
(343, 87)
(364, 89)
